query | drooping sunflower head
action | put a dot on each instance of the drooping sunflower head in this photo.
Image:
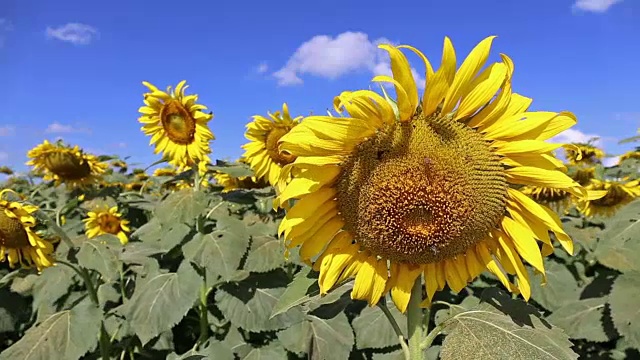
(556, 199)
(432, 190)
(177, 124)
(166, 171)
(19, 243)
(65, 164)
(120, 165)
(6, 170)
(262, 152)
(106, 220)
(583, 153)
(634, 154)
(583, 175)
(230, 183)
(617, 195)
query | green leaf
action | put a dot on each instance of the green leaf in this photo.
(251, 311)
(373, 330)
(97, 254)
(267, 251)
(296, 338)
(332, 338)
(66, 335)
(162, 301)
(561, 287)
(625, 311)
(235, 170)
(219, 351)
(52, 284)
(299, 291)
(138, 252)
(468, 303)
(182, 206)
(221, 251)
(107, 293)
(619, 243)
(503, 328)
(150, 231)
(23, 285)
(581, 319)
(269, 352)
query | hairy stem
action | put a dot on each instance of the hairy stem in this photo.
(414, 320)
(396, 328)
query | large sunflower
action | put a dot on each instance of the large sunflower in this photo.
(65, 164)
(107, 220)
(19, 244)
(583, 153)
(385, 200)
(230, 183)
(177, 125)
(617, 194)
(261, 152)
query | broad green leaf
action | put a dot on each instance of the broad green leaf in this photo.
(468, 303)
(335, 296)
(182, 206)
(332, 338)
(235, 170)
(97, 254)
(581, 319)
(503, 328)
(299, 291)
(150, 231)
(66, 335)
(138, 252)
(221, 251)
(296, 338)
(625, 312)
(373, 330)
(52, 284)
(619, 243)
(108, 293)
(251, 311)
(23, 285)
(189, 355)
(162, 301)
(269, 352)
(431, 353)
(561, 287)
(218, 350)
(266, 253)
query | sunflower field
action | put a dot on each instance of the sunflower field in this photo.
(400, 225)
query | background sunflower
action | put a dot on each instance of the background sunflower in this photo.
(177, 125)
(107, 220)
(262, 152)
(19, 243)
(65, 165)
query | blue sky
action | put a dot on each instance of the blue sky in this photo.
(73, 69)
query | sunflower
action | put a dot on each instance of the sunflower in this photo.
(230, 183)
(432, 192)
(65, 164)
(261, 152)
(18, 241)
(583, 175)
(634, 154)
(107, 220)
(556, 199)
(616, 195)
(177, 125)
(120, 165)
(166, 171)
(583, 153)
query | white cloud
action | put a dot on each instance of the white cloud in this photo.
(576, 136)
(332, 57)
(597, 6)
(58, 128)
(611, 161)
(7, 130)
(262, 68)
(75, 33)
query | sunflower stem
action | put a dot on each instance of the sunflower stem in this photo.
(428, 340)
(396, 328)
(204, 313)
(414, 320)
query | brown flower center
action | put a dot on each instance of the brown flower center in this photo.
(12, 233)
(281, 158)
(178, 123)
(109, 223)
(422, 191)
(67, 165)
(615, 196)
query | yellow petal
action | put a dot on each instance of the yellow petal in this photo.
(408, 92)
(483, 89)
